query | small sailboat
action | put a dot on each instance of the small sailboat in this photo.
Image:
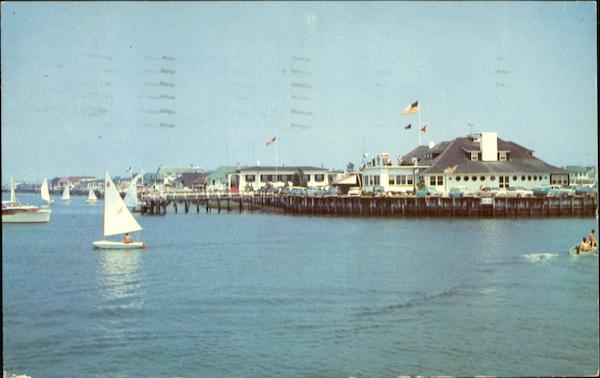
(45, 192)
(91, 197)
(131, 196)
(66, 196)
(15, 212)
(117, 220)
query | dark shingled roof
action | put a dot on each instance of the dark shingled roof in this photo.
(521, 159)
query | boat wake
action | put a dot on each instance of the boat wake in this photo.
(540, 257)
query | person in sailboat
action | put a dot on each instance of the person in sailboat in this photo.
(128, 238)
(584, 246)
(592, 239)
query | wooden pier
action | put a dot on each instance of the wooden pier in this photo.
(577, 206)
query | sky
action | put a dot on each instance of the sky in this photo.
(105, 85)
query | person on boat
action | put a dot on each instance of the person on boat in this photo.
(592, 239)
(127, 239)
(583, 246)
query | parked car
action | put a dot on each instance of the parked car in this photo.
(354, 191)
(586, 191)
(428, 192)
(515, 192)
(460, 191)
(333, 191)
(488, 192)
(297, 191)
(560, 191)
(315, 191)
(285, 191)
(540, 191)
(378, 191)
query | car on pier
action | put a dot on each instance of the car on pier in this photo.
(297, 191)
(488, 192)
(333, 191)
(315, 191)
(560, 191)
(460, 191)
(428, 192)
(354, 191)
(515, 192)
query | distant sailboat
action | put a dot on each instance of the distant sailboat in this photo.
(117, 220)
(91, 197)
(45, 192)
(15, 212)
(131, 196)
(66, 196)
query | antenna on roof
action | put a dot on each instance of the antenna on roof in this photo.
(471, 126)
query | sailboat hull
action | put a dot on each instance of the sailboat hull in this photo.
(36, 216)
(108, 244)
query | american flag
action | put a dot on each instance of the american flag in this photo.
(271, 141)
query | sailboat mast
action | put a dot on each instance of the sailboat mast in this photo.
(104, 215)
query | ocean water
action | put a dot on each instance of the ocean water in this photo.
(246, 295)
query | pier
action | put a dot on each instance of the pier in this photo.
(576, 206)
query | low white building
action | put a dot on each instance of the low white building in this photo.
(254, 178)
(399, 178)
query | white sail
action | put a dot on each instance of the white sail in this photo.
(45, 191)
(131, 198)
(92, 195)
(67, 193)
(117, 219)
(13, 196)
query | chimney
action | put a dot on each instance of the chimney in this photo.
(489, 146)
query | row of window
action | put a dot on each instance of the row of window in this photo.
(400, 180)
(283, 178)
(493, 178)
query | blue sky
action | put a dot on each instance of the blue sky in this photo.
(93, 86)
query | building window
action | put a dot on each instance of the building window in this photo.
(474, 156)
(493, 178)
(457, 178)
(319, 178)
(523, 178)
(400, 180)
(440, 180)
(528, 178)
(250, 178)
(482, 178)
(514, 178)
(534, 178)
(466, 178)
(375, 180)
(409, 180)
(474, 178)
(432, 181)
(307, 178)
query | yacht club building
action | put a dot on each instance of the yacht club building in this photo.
(472, 162)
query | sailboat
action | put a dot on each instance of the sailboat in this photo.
(117, 220)
(45, 192)
(66, 196)
(131, 197)
(15, 212)
(91, 197)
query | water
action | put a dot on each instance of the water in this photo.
(271, 295)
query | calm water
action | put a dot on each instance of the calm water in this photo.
(269, 295)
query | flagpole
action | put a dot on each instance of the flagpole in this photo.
(419, 128)
(276, 159)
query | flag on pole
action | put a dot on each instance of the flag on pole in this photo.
(412, 108)
(407, 127)
(424, 128)
(271, 141)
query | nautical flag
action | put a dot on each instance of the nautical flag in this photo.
(412, 108)
(407, 127)
(424, 128)
(271, 141)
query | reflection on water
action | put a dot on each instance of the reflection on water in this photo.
(119, 280)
